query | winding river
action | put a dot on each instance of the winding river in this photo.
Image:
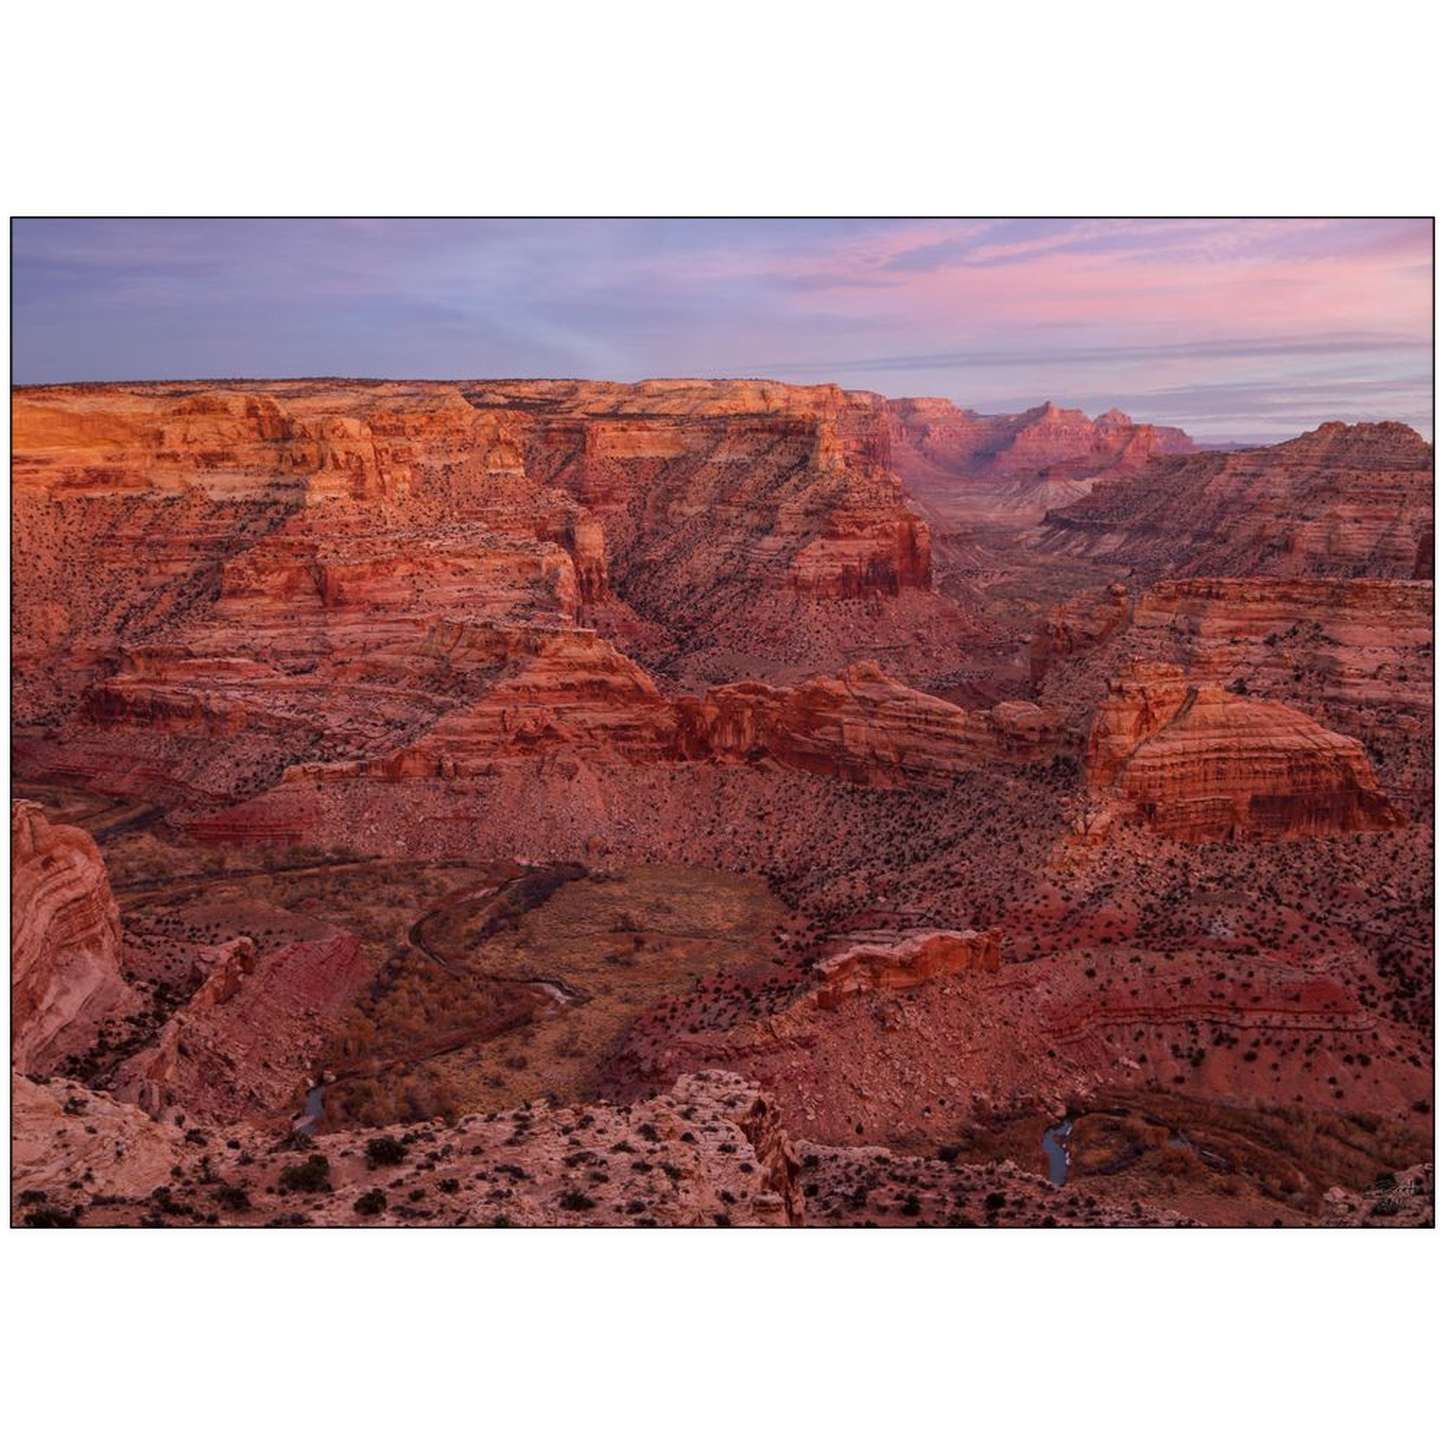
(548, 996)
(1056, 1150)
(312, 1111)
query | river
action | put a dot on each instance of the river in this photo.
(1056, 1150)
(312, 1111)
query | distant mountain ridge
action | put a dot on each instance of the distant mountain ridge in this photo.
(1010, 469)
(1339, 501)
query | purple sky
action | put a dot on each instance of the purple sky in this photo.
(1232, 329)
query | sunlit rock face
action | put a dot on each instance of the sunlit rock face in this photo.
(1197, 762)
(1340, 501)
(274, 564)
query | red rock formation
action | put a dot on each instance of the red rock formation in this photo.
(65, 978)
(560, 620)
(244, 1044)
(862, 726)
(245, 542)
(319, 442)
(1077, 626)
(1016, 731)
(287, 550)
(1340, 501)
(1362, 639)
(1009, 470)
(902, 963)
(861, 554)
(1140, 701)
(551, 690)
(62, 1132)
(227, 967)
(567, 692)
(1355, 654)
(1199, 763)
(733, 487)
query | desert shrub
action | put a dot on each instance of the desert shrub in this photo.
(384, 1152)
(51, 1216)
(313, 1175)
(372, 1202)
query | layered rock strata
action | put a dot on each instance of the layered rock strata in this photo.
(1340, 501)
(1010, 470)
(216, 582)
(1079, 625)
(890, 965)
(65, 945)
(1196, 762)
(243, 1044)
(861, 726)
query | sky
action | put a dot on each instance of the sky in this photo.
(1243, 330)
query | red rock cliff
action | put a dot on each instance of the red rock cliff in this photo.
(862, 726)
(65, 975)
(1200, 763)
(1011, 469)
(1341, 501)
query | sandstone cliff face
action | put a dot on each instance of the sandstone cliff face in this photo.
(240, 542)
(1366, 642)
(351, 442)
(1341, 501)
(568, 693)
(65, 978)
(1010, 470)
(1356, 654)
(267, 566)
(861, 726)
(1141, 700)
(1199, 763)
(386, 580)
(903, 963)
(730, 489)
(546, 691)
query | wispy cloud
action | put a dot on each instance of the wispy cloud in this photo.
(1232, 348)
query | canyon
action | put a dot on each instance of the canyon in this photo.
(696, 802)
(1341, 501)
(1012, 470)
